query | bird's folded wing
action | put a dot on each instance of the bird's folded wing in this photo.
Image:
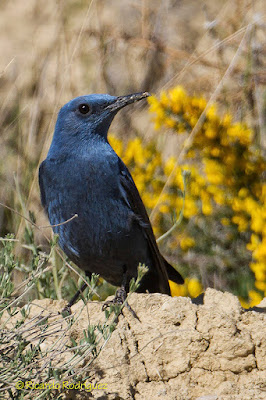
(133, 199)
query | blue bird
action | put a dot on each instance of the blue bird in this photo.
(83, 176)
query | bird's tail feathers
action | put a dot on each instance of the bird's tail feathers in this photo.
(172, 273)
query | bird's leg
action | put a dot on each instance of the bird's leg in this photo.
(121, 296)
(67, 308)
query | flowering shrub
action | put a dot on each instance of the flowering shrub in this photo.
(222, 238)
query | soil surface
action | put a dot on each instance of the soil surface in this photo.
(176, 350)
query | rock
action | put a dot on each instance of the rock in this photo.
(175, 351)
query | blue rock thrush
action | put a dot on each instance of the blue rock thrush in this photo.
(83, 175)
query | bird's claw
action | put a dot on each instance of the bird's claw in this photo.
(66, 311)
(118, 300)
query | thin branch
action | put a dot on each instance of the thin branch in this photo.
(61, 223)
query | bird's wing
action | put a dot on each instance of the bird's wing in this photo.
(133, 199)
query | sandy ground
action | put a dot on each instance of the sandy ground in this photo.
(176, 350)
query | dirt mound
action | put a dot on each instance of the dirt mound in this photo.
(177, 349)
(180, 350)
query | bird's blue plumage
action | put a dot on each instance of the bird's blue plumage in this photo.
(83, 175)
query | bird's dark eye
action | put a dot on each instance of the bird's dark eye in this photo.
(84, 108)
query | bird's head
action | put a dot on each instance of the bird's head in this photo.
(89, 116)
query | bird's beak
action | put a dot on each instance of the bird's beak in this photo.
(123, 101)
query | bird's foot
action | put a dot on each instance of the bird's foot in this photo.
(120, 299)
(66, 311)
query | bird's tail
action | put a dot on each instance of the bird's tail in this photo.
(172, 273)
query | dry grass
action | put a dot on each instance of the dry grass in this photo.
(52, 52)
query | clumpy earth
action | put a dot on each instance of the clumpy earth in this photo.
(176, 350)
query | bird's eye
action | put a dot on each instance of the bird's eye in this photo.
(84, 108)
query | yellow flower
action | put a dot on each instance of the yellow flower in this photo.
(177, 95)
(170, 122)
(199, 102)
(260, 252)
(261, 285)
(191, 208)
(244, 303)
(225, 221)
(211, 113)
(257, 224)
(164, 209)
(169, 165)
(239, 132)
(186, 243)
(241, 222)
(117, 144)
(134, 152)
(194, 287)
(226, 170)
(164, 99)
(260, 271)
(214, 171)
(177, 290)
(250, 205)
(206, 203)
(215, 152)
(149, 200)
(219, 198)
(250, 168)
(211, 133)
(229, 159)
(237, 204)
(254, 239)
(243, 193)
(227, 120)
(255, 298)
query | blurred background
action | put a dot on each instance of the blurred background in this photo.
(187, 53)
